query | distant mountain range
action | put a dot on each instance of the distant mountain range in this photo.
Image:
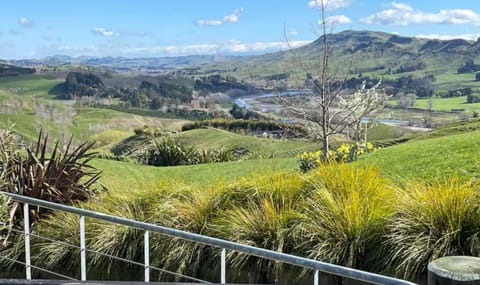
(363, 52)
(124, 63)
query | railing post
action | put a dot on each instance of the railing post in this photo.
(26, 227)
(223, 265)
(146, 248)
(315, 277)
(83, 253)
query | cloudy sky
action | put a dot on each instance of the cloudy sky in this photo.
(134, 28)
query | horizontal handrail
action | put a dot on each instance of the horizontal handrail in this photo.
(216, 242)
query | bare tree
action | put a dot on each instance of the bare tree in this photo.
(329, 108)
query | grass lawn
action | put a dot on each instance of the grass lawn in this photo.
(124, 176)
(447, 104)
(99, 119)
(28, 125)
(28, 85)
(429, 158)
(452, 80)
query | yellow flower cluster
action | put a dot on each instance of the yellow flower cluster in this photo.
(345, 153)
(311, 155)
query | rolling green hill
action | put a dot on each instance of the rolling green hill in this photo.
(25, 102)
(135, 176)
(447, 151)
(369, 53)
(214, 138)
(430, 157)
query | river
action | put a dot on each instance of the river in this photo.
(241, 102)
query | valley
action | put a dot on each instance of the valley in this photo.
(233, 147)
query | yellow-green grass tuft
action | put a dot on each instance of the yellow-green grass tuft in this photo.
(433, 220)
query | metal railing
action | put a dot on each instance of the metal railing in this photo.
(314, 265)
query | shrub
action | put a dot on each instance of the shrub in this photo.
(473, 98)
(149, 132)
(431, 221)
(214, 155)
(167, 152)
(107, 137)
(252, 126)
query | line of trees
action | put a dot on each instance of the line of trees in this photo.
(12, 70)
(218, 83)
(146, 95)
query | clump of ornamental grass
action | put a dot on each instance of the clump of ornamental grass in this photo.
(266, 224)
(264, 219)
(432, 220)
(194, 211)
(101, 236)
(149, 204)
(345, 218)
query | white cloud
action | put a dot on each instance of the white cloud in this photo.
(403, 14)
(233, 17)
(336, 20)
(209, 22)
(105, 32)
(329, 4)
(230, 18)
(402, 6)
(468, 37)
(79, 50)
(228, 47)
(231, 46)
(25, 23)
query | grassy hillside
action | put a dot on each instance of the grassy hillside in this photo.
(382, 132)
(429, 158)
(25, 101)
(451, 129)
(215, 138)
(370, 53)
(27, 85)
(133, 175)
(447, 104)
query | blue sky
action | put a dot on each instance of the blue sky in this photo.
(135, 28)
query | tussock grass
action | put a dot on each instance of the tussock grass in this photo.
(265, 210)
(433, 220)
(340, 213)
(345, 217)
